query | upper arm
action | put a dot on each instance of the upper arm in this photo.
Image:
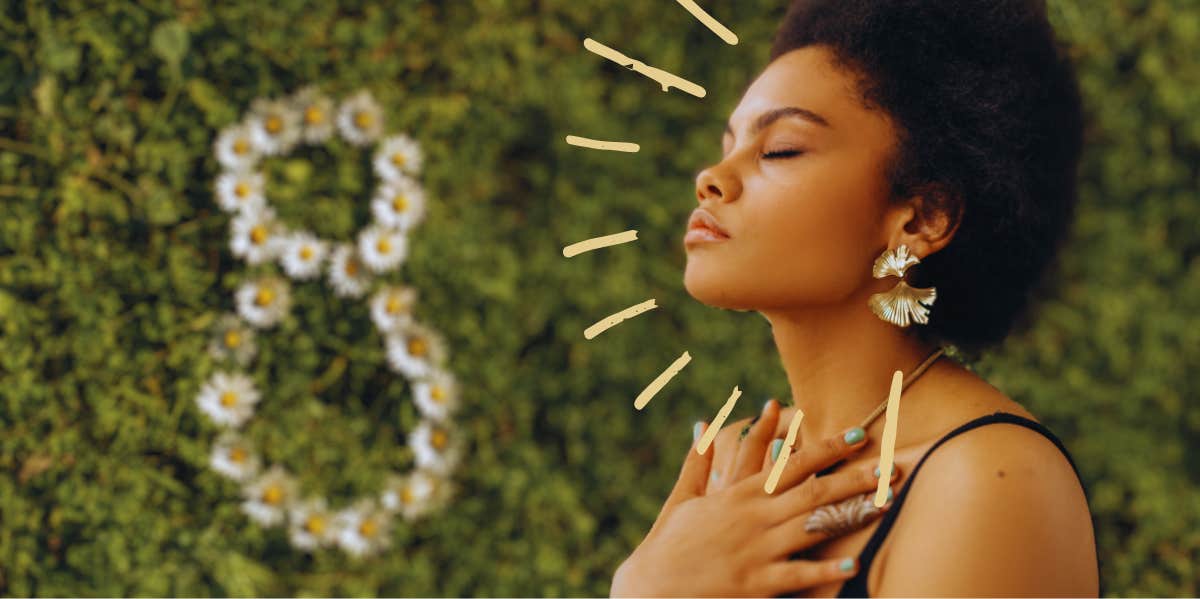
(995, 511)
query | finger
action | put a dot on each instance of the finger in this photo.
(825, 490)
(694, 473)
(812, 458)
(801, 532)
(794, 575)
(726, 447)
(751, 450)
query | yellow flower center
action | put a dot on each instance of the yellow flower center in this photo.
(383, 246)
(399, 203)
(258, 234)
(439, 439)
(241, 146)
(273, 495)
(394, 305)
(367, 528)
(228, 398)
(352, 267)
(264, 297)
(416, 346)
(241, 190)
(313, 115)
(438, 394)
(233, 339)
(306, 253)
(273, 124)
(406, 496)
(363, 119)
(399, 159)
(237, 455)
(315, 524)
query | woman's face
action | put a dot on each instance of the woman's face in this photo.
(804, 225)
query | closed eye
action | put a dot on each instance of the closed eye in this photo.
(782, 154)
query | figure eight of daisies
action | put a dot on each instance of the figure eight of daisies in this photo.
(355, 269)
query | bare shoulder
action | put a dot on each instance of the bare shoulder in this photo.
(995, 511)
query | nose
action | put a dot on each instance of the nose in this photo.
(715, 184)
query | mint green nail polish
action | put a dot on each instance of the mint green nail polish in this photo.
(854, 435)
(847, 564)
(889, 493)
(696, 430)
(767, 404)
(776, 445)
(714, 476)
(877, 472)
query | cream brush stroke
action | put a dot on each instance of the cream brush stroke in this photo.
(888, 453)
(595, 144)
(665, 79)
(722, 31)
(784, 452)
(661, 380)
(598, 242)
(609, 321)
(710, 433)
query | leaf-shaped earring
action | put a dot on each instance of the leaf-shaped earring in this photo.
(902, 304)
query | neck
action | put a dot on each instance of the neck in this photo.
(839, 361)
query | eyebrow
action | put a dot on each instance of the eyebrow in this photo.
(765, 119)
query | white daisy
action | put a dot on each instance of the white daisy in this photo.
(235, 148)
(274, 126)
(417, 494)
(397, 156)
(228, 398)
(437, 395)
(263, 302)
(302, 255)
(415, 350)
(347, 273)
(240, 191)
(255, 235)
(268, 495)
(316, 114)
(436, 446)
(382, 249)
(310, 524)
(363, 528)
(233, 457)
(399, 204)
(392, 306)
(232, 340)
(360, 119)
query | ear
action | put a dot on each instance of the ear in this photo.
(926, 221)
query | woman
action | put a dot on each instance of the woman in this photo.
(895, 182)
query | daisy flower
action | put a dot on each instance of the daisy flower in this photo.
(255, 235)
(233, 457)
(228, 398)
(363, 528)
(274, 126)
(382, 249)
(436, 446)
(360, 119)
(397, 156)
(302, 255)
(232, 340)
(416, 494)
(267, 496)
(399, 204)
(415, 350)
(391, 307)
(437, 395)
(347, 273)
(235, 149)
(310, 524)
(316, 114)
(240, 191)
(263, 302)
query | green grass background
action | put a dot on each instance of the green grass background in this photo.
(114, 261)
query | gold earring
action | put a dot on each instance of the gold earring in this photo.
(901, 304)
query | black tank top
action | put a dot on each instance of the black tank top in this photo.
(857, 586)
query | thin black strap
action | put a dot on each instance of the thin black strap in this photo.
(857, 586)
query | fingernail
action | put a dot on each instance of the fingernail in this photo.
(846, 565)
(877, 472)
(696, 429)
(854, 435)
(776, 445)
(715, 475)
(767, 404)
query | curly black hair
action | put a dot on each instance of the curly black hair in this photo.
(989, 118)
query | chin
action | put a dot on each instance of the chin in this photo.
(714, 286)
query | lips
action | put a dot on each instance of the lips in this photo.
(703, 219)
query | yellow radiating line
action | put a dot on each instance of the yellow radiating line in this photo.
(665, 79)
(595, 144)
(599, 242)
(888, 453)
(722, 31)
(785, 451)
(609, 321)
(653, 388)
(710, 433)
